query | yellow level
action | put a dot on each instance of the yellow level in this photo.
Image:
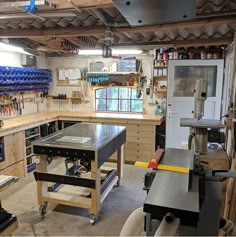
(164, 167)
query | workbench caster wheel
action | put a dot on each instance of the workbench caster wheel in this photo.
(43, 209)
(92, 219)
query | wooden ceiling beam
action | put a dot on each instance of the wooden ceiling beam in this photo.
(64, 4)
(173, 26)
(53, 32)
(181, 43)
(98, 29)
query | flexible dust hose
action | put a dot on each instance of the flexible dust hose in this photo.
(134, 225)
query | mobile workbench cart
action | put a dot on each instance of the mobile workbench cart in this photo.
(84, 147)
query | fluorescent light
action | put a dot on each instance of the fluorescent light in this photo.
(90, 52)
(11, 48)
(126, 51)
(114, 51)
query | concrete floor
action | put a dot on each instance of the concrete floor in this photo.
(21, 200)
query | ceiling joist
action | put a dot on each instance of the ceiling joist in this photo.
(188, 24)
(99, 29)
(181, 43)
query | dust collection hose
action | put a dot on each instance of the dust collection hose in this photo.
(134, 225)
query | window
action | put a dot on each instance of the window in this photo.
(186, 76)
(120, 99)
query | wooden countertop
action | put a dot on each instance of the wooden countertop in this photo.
(151, 118)
(27, 121)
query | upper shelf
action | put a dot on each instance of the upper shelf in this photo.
(112, 73)
(164, 66)
(160, 78)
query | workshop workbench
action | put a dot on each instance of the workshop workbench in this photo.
(140, 141)
(87, 143)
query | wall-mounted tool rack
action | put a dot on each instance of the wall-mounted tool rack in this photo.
(20, 80)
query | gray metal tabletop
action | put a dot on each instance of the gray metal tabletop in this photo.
(201, 123)
(178, 157)
(168, 192)
(84, 136)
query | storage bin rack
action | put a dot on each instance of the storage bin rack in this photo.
(19, 80)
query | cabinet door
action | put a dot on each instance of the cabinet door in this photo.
(18, 170)
(14, 147)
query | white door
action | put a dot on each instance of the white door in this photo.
(182, 76)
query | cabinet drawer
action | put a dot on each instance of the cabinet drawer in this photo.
(139, 127)
(140, 139)
(138, 152)
(18, 170)
(139, 146)
(133, 133)
(134, 158)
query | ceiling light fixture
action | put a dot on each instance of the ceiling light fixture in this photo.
(126, 51)
(11, 48)
(98, 52)
(95, 52)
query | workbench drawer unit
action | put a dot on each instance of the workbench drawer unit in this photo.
(140, 142)
(31, 135)
(14, 155)
(140, 145)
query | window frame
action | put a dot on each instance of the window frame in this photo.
(106, 98)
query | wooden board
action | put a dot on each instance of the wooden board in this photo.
(230, 199)
(18, 170)
(13, 149)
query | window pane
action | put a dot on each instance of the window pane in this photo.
(101, 104)
(137, 94)
(112, 93)
(101, 93)
(136, 106)
(124, 105)
(186, 76)
(125, 93)
(112, 105)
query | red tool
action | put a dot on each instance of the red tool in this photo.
(156, 158)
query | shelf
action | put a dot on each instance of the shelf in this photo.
(160, 91)
(112, 73)
(160, 78)
(165, 66)
(67, 98)
(35, 135)
(30, 155)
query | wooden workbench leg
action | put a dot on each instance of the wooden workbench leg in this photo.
(120, 161)
(42, 186)
(95, 193)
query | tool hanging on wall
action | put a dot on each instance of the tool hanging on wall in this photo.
(22, 100)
